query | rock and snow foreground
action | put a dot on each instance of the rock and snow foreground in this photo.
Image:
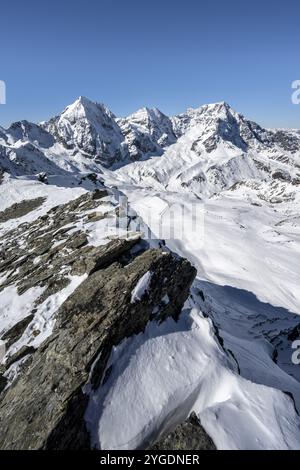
(104, 342)
(76, 304)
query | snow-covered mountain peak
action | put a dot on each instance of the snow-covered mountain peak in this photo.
(151, 113)
(89, 128)
(147, 131)
(228, 189)
(220, 123)
(25, 131)
(147, 117)
(215, 123)
(85, 108)
(218, 108)
(216, 148)
(87, 134)
(208, 115)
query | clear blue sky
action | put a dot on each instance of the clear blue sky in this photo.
(165, 53)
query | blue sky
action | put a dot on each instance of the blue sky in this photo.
(168, 54)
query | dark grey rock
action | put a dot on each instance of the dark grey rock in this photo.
(44, 407)
(3, 382)
(21, 208)
(294, 333)
(189, 435)
(14, 333)
(24, 351)
(47, 246)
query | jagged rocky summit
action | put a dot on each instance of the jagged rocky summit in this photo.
(56, 348)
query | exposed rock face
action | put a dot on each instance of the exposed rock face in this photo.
(20, 209)
(45, 251)
(39, 261)
(189, 435)
(43, 405)
(15, 332)
(39, 411)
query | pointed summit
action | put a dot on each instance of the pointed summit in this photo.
(207, 116)
(218, 109)
(147, 132)
(145, 113)
(90, 128)
(85, 107)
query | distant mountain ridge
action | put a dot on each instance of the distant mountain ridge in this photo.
(88, 137)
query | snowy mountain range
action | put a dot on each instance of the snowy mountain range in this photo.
(228, 357)
(205, 150)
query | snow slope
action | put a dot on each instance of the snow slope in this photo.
(158, 377)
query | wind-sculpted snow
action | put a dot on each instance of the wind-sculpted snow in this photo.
(247, 259)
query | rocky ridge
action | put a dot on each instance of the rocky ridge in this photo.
(57, 347)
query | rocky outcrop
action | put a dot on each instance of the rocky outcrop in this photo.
(43, 406)
(189, 435)
(20, 209)
(44, 253)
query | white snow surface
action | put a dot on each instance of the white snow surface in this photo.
(43, 320)
(16, 190)
(141, 287)
(159, 376)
